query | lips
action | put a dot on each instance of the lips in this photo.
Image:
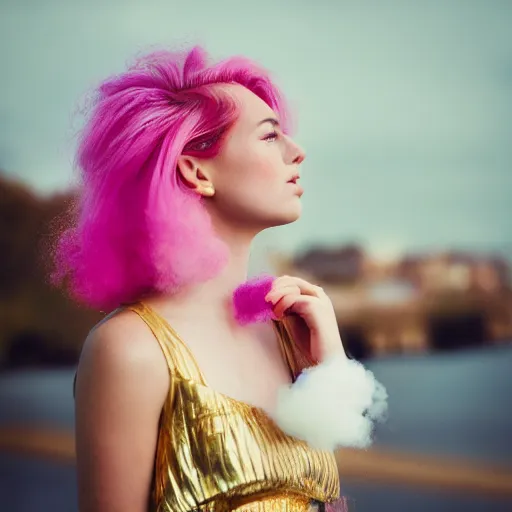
(294, 181)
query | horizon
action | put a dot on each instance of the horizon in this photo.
(381, 258)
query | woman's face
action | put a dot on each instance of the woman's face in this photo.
(255, 175)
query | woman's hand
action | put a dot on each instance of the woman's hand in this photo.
(313, 319)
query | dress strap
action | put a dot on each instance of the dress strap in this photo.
(295, 357)
(180, 359)
(182, 362)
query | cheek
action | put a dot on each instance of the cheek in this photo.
(250, 168)
(264, 167)
(264, 173)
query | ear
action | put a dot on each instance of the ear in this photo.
(193, 173)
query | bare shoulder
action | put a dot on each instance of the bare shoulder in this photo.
(122, 348)
(125, 333)
(121, 386)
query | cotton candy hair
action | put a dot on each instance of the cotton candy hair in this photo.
(249, 303)
(136, 228)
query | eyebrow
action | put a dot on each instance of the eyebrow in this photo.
(272, 120)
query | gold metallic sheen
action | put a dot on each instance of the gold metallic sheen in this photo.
(218, 454)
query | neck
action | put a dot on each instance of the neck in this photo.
(213, 297)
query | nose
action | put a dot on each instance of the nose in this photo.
(295, 152)
(300, 157)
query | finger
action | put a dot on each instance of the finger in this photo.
(306, 288)
(286, 302)
(276, 294)
(302, 305)
(297, 304)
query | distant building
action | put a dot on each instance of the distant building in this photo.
(417, 303)
(340, 265)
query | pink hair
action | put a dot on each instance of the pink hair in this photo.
(249, 303)
(137, 228)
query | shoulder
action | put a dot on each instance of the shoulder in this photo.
(123, 339)
(121, 351)
(121, 387)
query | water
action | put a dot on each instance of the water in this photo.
(451, 405)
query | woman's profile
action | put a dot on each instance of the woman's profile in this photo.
(180, 407)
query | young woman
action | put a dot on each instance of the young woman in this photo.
(179, 407)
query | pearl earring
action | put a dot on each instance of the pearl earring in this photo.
(208, 191)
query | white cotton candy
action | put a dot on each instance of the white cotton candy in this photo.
(331, 405)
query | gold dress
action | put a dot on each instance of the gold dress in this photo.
(218, 454)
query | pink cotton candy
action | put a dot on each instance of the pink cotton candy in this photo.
(249, 300)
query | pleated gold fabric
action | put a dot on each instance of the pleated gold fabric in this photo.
(218, 454)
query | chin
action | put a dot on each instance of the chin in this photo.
(289, 217)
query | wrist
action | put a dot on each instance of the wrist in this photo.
(337, 351)
(330, 350)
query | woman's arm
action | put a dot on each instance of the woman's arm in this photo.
(336, 401)
(122, 383)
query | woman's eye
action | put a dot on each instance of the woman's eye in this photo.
(271, 137)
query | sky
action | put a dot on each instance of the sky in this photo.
(404, 108)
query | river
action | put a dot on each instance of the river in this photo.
(451, 404)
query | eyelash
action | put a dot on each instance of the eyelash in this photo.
(271, 136)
